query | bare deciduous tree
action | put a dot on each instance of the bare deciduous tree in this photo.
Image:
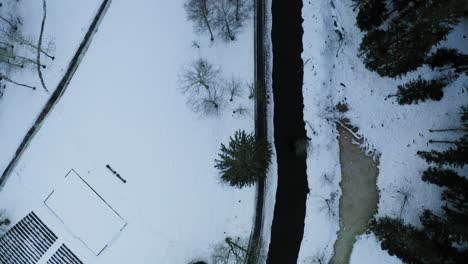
(328, 178)
(225, 19)
(17, 37)
(12, 58)
(405, 195)
(231, 251)
(243, 10)
(234, 88)
(7, 79)
(329, 203)
(201, 76)
(240, 110)
(200, 83)
(200, 12)
(9, 57)
(208, 103)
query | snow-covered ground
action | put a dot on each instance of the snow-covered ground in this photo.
(123, 108)
(333, 73)
(66, 24)
(272, 177)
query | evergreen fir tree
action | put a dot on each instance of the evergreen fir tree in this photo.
(443, 234)
(456, 157)
(244, 161)
(430, 245)
(444, 57)
(444, 237)
(403, 45)
(372, 13)
(405, 241)
(455, 195)
(420, 90)
(443, 177)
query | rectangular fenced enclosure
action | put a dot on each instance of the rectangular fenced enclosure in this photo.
(85, 213)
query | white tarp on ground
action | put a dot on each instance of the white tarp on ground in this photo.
(85, 213)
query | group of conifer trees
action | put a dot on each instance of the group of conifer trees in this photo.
(402, 35)
(443, 236)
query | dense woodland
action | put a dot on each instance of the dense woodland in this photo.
(400, 36)
(443, 237)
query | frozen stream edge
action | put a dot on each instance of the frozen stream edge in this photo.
(358, 202)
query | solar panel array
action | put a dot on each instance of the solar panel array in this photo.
(64, 256)
(26, 242)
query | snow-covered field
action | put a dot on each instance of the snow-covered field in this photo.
(333, 73)
(123, 108)
(66, 24)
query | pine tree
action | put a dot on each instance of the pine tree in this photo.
(244, 161)
(443, 177)
(443, 234)
(420, 90)
(430, 245)
(403, 45)
(456, 157)
(455, 195)
(443, 238)
(372, 13)
(405, 241)
(445, 57)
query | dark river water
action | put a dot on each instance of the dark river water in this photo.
(288, 222)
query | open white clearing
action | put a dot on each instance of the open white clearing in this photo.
(72, 200)
(124, 108)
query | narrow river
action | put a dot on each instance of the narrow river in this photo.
(288, 221)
